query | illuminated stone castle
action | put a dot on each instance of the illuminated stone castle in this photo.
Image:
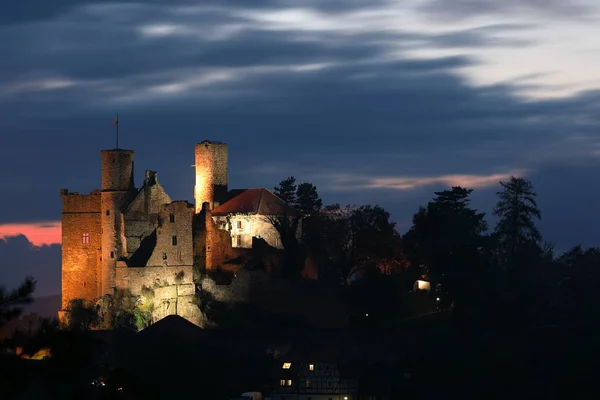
(123, 237)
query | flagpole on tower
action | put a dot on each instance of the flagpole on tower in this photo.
(116, 124)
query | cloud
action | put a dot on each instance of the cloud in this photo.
(352, 182)
(39, 234)
(20, 258)
(374, 92)
(474, 8)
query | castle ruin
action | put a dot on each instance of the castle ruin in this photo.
(123, 237)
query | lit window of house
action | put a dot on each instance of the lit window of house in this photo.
(289, 382)
(85, 238)
(282, 382)
(311, 367)
(287, 365)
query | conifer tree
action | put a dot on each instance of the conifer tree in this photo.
(517, 211)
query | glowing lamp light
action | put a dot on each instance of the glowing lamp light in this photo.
(423, 285)
(438, 299)
(367, 314)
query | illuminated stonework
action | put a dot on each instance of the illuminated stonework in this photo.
(122, 237)
(211, 174)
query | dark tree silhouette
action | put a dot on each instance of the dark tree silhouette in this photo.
(350, 240)
(303, 201)
(516, 209)
(372, 241)
(448, 241)
(11, 303)
(286, 190)
(519, 247)
(577, 285)
(82, 316)
(307, 199)
(327, 236)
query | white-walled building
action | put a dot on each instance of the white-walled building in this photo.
(247, 215)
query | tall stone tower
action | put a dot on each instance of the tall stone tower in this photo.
(117, 187)
(211, 174)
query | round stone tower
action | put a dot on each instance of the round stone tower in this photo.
(211, 174)
(117, 187)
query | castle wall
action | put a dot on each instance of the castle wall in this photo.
(141, 215)
(171, 289)
(174, 239)
(212, 246)
(81, 246)
(243, 227)
(117, 189)
(135, 278)
(211, 174)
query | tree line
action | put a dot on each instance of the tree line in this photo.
(507, 273)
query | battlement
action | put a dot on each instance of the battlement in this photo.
(210, 142)
(73, 202)
(65, 192)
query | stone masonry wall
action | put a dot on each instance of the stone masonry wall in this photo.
(135, 278)
(117, 189)
(211, 174)
(81, 246)
(174, 240)
(212, 246)
(141, 216)
(220, 170)
(172, 287)
(117, 170)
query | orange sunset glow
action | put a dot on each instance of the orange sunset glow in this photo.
(38, 233)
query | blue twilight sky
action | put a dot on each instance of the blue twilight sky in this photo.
(380, 102)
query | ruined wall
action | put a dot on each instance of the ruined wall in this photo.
(174, 239)
(117, 189)
(170, 289)
(141, 215)
(211, 174)
(134, 278)
(212, 246)
(243, 227)
(81, 246)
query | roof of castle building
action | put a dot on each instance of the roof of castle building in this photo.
(253, 201)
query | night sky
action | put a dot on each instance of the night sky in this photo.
(375, 102)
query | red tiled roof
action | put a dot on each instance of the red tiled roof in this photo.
(253, 201)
